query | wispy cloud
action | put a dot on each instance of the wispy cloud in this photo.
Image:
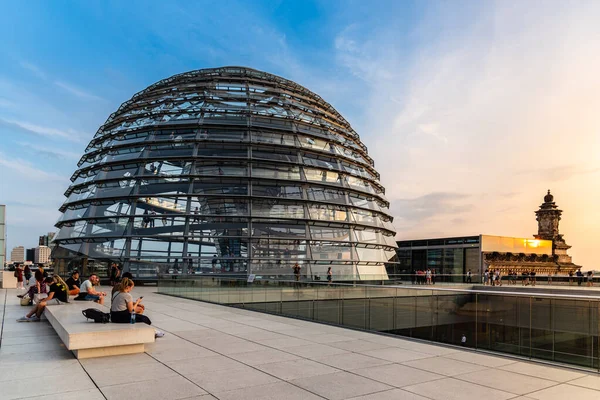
(77, 91)
(27, 171)
(69, 134)
(33, 69)
(50, 152)
(486, 93)
(560, 173)
(421, 208)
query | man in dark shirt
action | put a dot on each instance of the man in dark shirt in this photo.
(73, 283)
(57, 294)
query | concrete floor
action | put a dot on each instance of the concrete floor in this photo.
(213, 351)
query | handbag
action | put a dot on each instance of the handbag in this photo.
(25, 300)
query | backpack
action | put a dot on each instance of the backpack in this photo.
(97, 315)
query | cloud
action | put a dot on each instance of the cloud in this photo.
(51, 152)
(70, 134)
(420, 209)
(560, 173)
(33, 69)
(77, 91)
(27, 171)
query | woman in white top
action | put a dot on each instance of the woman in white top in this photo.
(122, 305)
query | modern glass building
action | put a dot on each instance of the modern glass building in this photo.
(453, 257)
(226, 170)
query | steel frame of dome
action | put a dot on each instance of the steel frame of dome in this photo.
(227, 170)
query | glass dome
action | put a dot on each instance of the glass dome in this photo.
(226, 170)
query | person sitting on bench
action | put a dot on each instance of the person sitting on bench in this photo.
(87, 291)
(122, 305)
(57, 294)
(73, 283)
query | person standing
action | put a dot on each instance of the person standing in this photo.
(296, 268)
(329, 276)
(19, 276)
(27, 273)
(214, 263)
(469, 277)
(486, 277)
(115, 274)
(579, 277)
(151, 218)
(570, 278)
(463, 340)
(590, 279)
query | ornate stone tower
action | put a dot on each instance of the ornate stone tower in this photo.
(548, 217)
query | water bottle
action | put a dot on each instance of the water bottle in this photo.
(133, 317)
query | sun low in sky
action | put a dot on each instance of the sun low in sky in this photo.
(471, 110)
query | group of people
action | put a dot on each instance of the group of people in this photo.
(23, 273)
(423, 277)
(580, 277)
(494, 278)
(54, 291)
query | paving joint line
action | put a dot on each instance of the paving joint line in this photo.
(241, 362)
(3, 316)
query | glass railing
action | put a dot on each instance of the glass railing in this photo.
(552, 327)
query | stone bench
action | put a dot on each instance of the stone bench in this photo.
(87, 339)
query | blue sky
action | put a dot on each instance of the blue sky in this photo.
(470, 110)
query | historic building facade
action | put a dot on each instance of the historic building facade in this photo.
(453, 257)
(558, 262)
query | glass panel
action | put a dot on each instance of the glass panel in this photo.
(277, 229)
(321, 175)
(266, 208)
(332, 251)
(327, 195)
(276, 171)
(328, 212)
(326, 233)
(274, 191)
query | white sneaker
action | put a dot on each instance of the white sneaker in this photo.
(158, 334)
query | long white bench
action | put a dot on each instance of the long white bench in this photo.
(87, 339)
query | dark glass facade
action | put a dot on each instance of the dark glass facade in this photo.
(227, 170)
(450, 258)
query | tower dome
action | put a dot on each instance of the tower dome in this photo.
(228, 170)
(548, 198)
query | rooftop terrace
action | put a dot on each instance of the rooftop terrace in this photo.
(216, 352)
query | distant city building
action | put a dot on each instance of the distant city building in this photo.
(30, 254)
(17, 254)
(46, 240)
(2, 235)
(42, 254)
(454, 257)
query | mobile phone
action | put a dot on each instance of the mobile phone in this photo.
(141, 297)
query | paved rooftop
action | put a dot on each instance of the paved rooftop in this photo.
(213, 351)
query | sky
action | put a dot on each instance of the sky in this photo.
(471, 110)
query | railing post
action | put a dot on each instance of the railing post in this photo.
(476, 319)
(530, 311)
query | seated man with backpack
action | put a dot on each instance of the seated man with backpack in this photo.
(57, 294)
(87, 291)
